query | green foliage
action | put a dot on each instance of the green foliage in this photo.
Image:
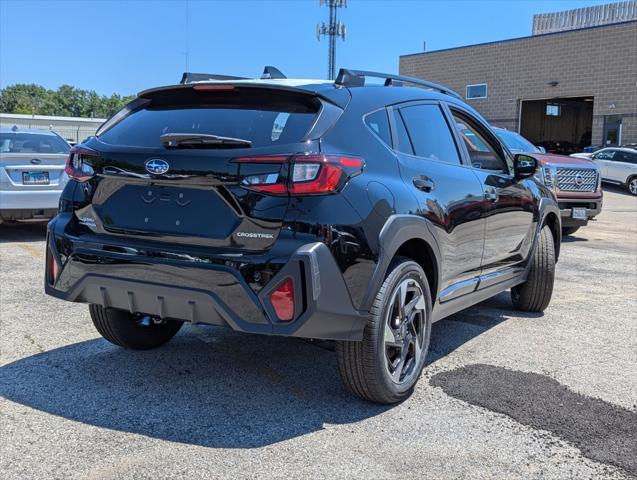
(65, 101)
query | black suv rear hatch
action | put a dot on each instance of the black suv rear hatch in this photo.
(167, 170)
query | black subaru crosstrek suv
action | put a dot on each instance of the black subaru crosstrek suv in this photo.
(339, 210)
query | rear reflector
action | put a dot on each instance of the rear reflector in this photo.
(282, 300)
(52, 268)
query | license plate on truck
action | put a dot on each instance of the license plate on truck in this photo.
(35, 178)
(579, 213)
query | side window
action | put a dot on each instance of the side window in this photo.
(631, 158)
(481, 153)
(604, 155)
(430, 134)
(379, 124)
(404, 143)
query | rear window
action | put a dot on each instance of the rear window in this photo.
(265, 118)
(32, 143)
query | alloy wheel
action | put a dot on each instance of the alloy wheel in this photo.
(632, 186)
(404, 332)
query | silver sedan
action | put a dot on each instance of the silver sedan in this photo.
(32, 174)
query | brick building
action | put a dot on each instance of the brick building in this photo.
(574, 81)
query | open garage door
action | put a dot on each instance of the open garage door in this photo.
(560, 125)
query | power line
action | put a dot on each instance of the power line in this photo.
(332, 30)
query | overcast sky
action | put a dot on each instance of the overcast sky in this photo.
(126, 46)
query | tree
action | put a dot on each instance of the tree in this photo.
(65, 101)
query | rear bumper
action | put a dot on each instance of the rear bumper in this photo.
(593, 206)
(23, 203)
(209, 293)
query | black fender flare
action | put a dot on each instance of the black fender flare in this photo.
(397, 230)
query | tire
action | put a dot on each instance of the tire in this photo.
(534, 295)
(632, 185)
(132, 331)
(569, 230)
(385, 366)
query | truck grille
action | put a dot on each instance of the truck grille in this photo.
(577, 179)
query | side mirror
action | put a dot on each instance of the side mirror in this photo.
(541, 149)
(524, 166)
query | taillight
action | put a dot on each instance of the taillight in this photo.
(282, 300)
(307, 174)
(77, 167)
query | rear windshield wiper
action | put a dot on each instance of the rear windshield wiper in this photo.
(201, 140)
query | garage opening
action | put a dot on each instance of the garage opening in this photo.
(560, 125)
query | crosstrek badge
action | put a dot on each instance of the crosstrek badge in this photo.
(254, 235)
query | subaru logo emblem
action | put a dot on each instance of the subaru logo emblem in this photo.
(157, 166)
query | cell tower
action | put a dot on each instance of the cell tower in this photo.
(332, 30)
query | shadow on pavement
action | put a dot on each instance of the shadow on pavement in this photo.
(237, 391)
(602, 431)
(573, 238)
(22, 232)
(611, 187)
(210, 386)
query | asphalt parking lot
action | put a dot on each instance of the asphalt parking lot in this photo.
(505, 395)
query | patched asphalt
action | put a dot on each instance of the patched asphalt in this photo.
(504, 395)
(602, 431)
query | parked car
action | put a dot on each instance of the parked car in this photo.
(319, 209)
(31, 173)
(619, 166)
(574, 181)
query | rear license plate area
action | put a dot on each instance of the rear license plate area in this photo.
(35, 178)
(168, 210)
(579, 213)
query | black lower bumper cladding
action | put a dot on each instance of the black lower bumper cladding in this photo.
(210, 294)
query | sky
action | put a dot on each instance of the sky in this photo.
(127, 46)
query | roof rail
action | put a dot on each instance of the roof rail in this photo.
(356, 78)
(189, 77)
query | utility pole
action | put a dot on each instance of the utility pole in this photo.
(332, 30)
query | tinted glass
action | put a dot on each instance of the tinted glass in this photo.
(481, 153)
(379, 124)
(627, 157)
(262, 118)
(515, 142)
(32, 143)
(430, 134)
(404, 144)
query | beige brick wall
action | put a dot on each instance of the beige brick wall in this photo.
(599, 62)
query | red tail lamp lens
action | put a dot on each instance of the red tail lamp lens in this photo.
(77, 166)
(308, 174)
(282, 300)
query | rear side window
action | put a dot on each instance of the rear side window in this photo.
(404, 143)
(626, 157)
(265, 118)
(32, 143)
(379, 124)
(430, 134)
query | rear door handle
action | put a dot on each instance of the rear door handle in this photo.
(424, 184)
(491, 194)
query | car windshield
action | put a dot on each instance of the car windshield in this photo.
(13, 142)
(516, 142)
